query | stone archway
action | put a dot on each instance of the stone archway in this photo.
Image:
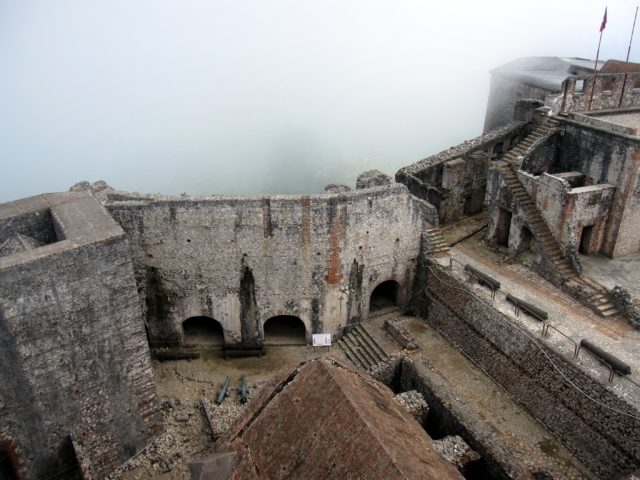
(202, 331)
(285, 330)
(385, 295)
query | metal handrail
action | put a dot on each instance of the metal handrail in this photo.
(546, 324)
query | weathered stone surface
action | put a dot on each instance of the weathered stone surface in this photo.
(454, 180)
(372, 178)
(589, 429)
(75, 369)
(335, 188)
(400, 334)
(455, 450)
(415, 404)
(324, 420)
(244, 260)
(18, 243)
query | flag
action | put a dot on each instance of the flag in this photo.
(604, 20)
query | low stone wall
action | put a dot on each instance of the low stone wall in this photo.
(388, 371)
(630, 310)
(454, 180)
(595, 423)
(401, 334)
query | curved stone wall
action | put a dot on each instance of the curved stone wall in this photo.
(242, 260)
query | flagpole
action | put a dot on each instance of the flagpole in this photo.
(595, 67)
(626, 63)
(595, 72)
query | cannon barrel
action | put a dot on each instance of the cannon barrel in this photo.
(223, 391)
(244, 390)
(614, 362)
(528, 307)
(483, 277)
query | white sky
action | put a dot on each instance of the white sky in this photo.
(247, 96)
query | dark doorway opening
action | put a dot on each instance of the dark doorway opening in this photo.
(202, 331)
(527, 241)
(503, 225)
(384, 295)
(498, 151)
(285, 330)
(473, 202)
(7, 472)
(585, 240)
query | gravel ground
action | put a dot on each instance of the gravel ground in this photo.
(185, 389)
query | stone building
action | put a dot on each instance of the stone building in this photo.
(94, 277)
(563, 84)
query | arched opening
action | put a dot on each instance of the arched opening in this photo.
(285, 330)
(202, 331)
(384, 295)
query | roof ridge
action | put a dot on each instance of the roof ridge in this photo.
(358, 413)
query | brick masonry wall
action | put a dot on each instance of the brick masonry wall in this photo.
(244, 260)
(75, 361)
(606, 441)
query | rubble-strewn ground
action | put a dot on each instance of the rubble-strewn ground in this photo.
(182, 387)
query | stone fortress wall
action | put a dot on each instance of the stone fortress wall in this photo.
(77, 385)
(243, 260)
(595, 422)
(83, 296)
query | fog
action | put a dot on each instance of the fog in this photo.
(251, 97)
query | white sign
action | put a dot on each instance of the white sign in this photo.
(321, 339)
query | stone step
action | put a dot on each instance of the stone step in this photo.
(369, 358)
(350, 354)
(609, 312)
(371, 352)
(372, 342)
(364, 362)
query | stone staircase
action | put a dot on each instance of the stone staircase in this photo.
(536, 223)
(598, 300)
(597, 293)
(361, 349)
(437, 243)
(523, 146)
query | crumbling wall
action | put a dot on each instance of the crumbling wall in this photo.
(607, 440)
(244, 260)
(570, 211)
(74, 358)
(454, 181)
(607, 157)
